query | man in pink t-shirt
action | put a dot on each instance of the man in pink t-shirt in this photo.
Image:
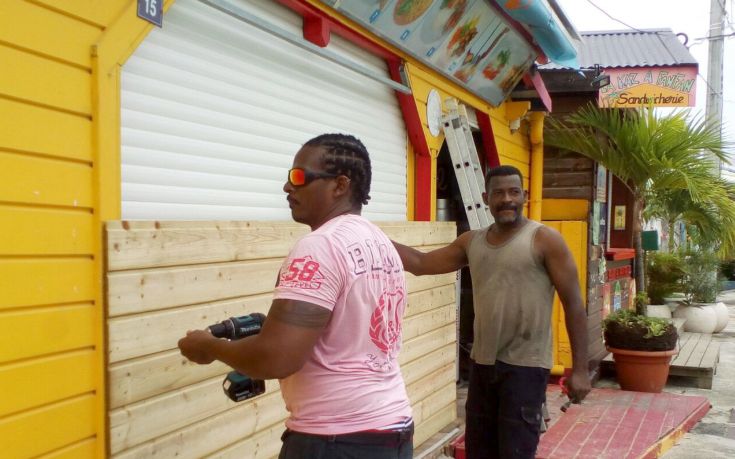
(333, 332)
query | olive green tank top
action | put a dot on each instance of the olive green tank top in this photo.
(513, 298)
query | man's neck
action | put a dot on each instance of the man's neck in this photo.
(506, 228)
(336, 213)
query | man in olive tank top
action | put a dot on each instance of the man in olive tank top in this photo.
(516, 264)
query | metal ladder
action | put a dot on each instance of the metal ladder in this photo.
(466, 164)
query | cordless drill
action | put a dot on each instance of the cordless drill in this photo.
(237, 386)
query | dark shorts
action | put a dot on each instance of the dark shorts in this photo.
(504, 410)
(358, 445)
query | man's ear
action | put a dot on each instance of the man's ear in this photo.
(484, 198)
(342, 185)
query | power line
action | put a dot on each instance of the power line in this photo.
(615, 19)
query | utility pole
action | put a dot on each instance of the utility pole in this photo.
(713, 110)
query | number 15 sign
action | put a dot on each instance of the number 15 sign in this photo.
(151, 11)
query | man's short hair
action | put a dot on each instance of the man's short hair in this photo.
(346, 155)
(502, 171)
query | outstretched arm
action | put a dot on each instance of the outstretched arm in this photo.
(563, 273)
(439, 261)
(286, 340)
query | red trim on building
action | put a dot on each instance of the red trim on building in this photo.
(488, 139)
(422, 187)
(619, 254)
(533, 78)
(316, 30)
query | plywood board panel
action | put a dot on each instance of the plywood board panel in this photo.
(134, 245)
(140, 422)
(427, 342)
(144, 334)
(446, 416)
(430, 320)
(135, 292)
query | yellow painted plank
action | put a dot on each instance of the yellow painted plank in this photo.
(43, 81)
(97, 12)
(44, 231)
(37, 281)
(44, 131)
(34, 180)
(33, 27)
(45, 331)
(565, 209)
(48, 428)
(34, 383)
(84, 449)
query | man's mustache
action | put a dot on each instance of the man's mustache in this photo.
(507, 207)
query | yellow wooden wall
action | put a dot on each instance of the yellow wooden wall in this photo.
(167, 277)
(60, 166)
(59, 105)
(575, 235)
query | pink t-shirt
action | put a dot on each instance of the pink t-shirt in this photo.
(352, 380)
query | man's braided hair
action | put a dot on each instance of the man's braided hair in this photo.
(346, 155)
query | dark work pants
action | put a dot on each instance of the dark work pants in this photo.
(504, 410)
(368, 445)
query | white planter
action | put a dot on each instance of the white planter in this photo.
(700, 318)
(658, 310)
(723, 316)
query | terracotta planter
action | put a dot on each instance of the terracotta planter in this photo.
(642, 371)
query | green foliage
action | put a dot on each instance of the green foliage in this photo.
(665, 159)
(700, 283)
(654, 326)
(727, 269)
(664, 273)
(641, 300)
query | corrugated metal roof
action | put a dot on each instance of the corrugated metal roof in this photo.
(631, 48)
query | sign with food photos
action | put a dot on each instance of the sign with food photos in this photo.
(468, 41)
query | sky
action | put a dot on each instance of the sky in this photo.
(688, 16)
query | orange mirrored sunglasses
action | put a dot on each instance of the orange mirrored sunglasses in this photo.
(301, 177)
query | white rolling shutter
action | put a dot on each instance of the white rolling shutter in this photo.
(214, 109)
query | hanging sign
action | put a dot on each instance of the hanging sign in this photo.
(657, 86)
(151, 11)
(468, 41)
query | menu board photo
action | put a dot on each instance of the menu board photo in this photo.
(468, 41)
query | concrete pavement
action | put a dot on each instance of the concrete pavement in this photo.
(714, 436)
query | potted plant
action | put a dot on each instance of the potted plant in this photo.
(700, 285)
(641, 346)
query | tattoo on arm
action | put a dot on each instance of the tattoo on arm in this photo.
(299, 313)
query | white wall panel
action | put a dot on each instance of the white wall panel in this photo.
(214, 109)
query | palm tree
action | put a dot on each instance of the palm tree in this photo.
(649, 152)
(712, 223)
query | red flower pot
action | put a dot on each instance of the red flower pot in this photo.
(642, 371)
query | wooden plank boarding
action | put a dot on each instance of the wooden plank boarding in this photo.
(166, 277)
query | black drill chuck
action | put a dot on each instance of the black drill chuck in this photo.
(238, 327)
